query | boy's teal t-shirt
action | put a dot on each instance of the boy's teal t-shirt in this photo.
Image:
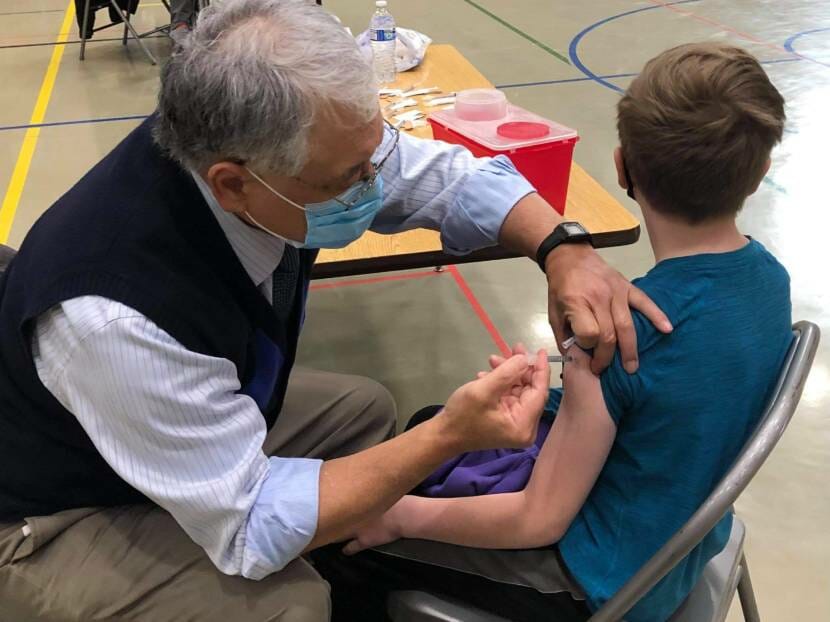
(681, 419)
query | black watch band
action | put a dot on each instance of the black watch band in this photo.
(565, 233)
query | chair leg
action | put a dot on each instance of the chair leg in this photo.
(748, 604)
(126, 19)
(133, 32)
(83, 28)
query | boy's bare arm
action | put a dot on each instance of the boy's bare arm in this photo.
(573, 454)
(568, 465)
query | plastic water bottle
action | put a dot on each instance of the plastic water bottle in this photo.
(382, 37)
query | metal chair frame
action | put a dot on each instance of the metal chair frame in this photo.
(412, 606)
(129, 29)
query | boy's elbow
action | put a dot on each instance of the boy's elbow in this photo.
(542, 531)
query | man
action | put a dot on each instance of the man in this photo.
(154, 452)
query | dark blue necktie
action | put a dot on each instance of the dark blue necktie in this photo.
(284, 282)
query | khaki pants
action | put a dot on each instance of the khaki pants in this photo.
(136, 563)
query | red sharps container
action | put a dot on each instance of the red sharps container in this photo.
(484, 122)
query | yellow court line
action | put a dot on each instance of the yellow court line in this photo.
(27, 149)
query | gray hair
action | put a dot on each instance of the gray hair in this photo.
(252, 78)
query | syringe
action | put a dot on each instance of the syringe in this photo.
(552, 358)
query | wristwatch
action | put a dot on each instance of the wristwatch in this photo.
(565, 233)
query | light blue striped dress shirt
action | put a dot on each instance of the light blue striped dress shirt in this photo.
(172, 423)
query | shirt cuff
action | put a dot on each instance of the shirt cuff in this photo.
(474, 221)
(283, 519)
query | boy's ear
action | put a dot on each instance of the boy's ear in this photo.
(766, 170)
(618, 162)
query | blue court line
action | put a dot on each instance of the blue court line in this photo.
(133, 117)
(793, 59)
(73, 41)
(31, 12)
(562, 81)
(516, 85)
(612, 76)
(573, 48)
(789, 44)
(573, 51)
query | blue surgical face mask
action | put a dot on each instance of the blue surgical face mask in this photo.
(337, 222)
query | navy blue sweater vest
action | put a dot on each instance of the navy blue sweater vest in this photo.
(137, 230)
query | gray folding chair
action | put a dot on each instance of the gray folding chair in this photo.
(128, 29)
(726, 572)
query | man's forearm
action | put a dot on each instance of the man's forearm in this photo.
(529, 222)
(364, 485)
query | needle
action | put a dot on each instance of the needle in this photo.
(552, 358)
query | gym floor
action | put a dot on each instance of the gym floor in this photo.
(423, 336)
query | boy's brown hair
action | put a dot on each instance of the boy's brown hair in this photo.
(696, 129)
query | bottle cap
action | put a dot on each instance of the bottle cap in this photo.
(381, 4)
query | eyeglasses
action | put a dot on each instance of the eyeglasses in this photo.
(357, 191)
(355, 194)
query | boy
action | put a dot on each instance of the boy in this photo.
(629, 458)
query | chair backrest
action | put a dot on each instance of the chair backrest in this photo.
(778, 413)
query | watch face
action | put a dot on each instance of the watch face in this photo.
(572, 228)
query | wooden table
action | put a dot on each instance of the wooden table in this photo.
(588, 202)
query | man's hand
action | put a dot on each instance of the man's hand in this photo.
(381, 530)
(501, 408)
(586, 298)
(590, 300)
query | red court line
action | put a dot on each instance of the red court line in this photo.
(376, 279)
(720, 25)
(501, 344)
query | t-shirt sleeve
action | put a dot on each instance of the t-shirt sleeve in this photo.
(552, 405)
(621, 390)
(617, 389)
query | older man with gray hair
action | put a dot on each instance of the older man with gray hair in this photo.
(159, 457)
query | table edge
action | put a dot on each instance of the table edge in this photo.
(412, 261)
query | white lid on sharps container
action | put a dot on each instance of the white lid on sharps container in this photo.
(486, 117)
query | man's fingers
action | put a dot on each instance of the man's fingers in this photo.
(509, 401)
(535, 393)
(585, 327)
(646, 306)
(495, 360)
(559, 326)
(352, 547)
(506, 375)
(626, 334)
(607, 339)
(540, 380)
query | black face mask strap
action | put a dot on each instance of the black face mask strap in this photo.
(628, 182)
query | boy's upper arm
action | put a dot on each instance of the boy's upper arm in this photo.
(573, 453)
(586, 424)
